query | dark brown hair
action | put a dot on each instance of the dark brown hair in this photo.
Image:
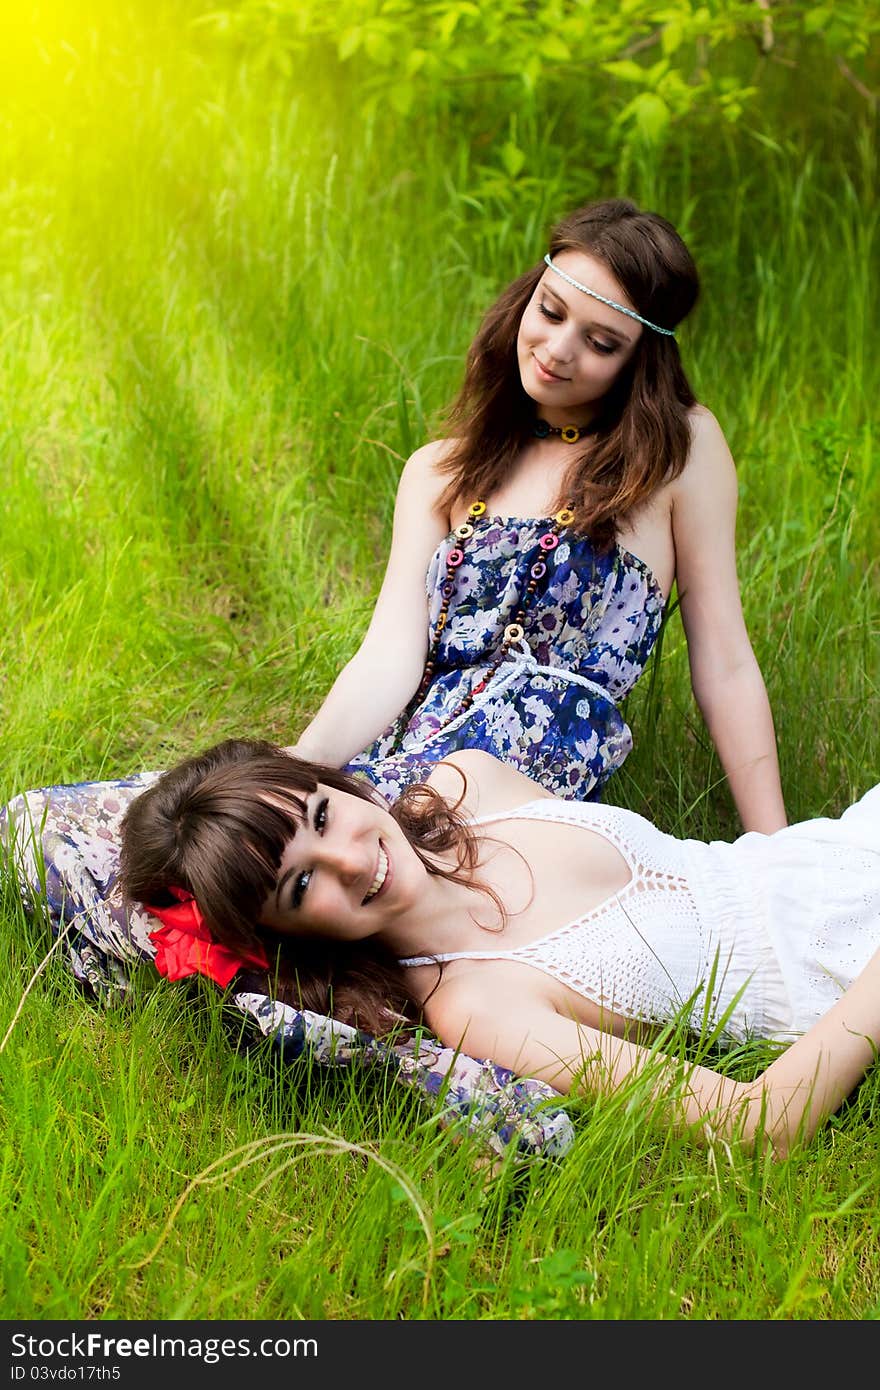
(643, 435)
(216, 826)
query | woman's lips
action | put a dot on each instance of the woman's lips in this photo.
(545, 372)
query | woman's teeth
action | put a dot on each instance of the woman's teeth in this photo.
(381, 871)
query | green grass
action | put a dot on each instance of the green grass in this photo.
(231, 308)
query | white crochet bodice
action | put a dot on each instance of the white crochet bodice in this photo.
(674, 933)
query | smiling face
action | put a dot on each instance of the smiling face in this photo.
(570, 347)
(348, 871)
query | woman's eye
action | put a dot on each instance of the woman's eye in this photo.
(320, 817)
(549, 314)
(604, 349)
(300, 884)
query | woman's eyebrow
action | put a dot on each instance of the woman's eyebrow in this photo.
(281, 882)
(593, 324)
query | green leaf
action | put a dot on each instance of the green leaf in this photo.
(448, 21)
(626, 70)
(816, 18)
(671, 38)
(349, 43)
(657, 71)
(651, 116)
(554, 49)
(415, 61)
(379, 47)
(513, 158)
(531, 71)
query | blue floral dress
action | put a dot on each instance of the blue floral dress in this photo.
(548, 704)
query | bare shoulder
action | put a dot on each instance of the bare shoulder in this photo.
(457, 1005)
(482, 784)
(707, 436)
(701, 417)
(427, 460)
(492, 1012)
(710, 466)
(422, 479)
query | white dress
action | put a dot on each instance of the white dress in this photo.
(758, 937)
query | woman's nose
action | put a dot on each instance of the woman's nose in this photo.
(346, 858)
(560, 344)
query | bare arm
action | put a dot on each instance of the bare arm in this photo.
(381, 677)
(787, 1103)
(727, 682)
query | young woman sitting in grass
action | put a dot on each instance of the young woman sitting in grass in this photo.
(557, 938)
(578, 481)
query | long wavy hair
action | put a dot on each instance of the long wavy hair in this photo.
(642, 436)
(216, 826)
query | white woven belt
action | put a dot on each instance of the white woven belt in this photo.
(521, 661)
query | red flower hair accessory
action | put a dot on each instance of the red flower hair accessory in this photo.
(185, 946)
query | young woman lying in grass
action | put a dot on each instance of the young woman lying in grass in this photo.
(556, 937)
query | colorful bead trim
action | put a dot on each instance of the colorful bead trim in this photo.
(515, 630)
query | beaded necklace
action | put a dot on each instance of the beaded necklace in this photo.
(569, 434)
(514, 631)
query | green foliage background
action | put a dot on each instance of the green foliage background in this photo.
(242, 253)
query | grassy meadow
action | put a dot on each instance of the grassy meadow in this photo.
(233, 302)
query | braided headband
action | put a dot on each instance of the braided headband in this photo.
(612, 303)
